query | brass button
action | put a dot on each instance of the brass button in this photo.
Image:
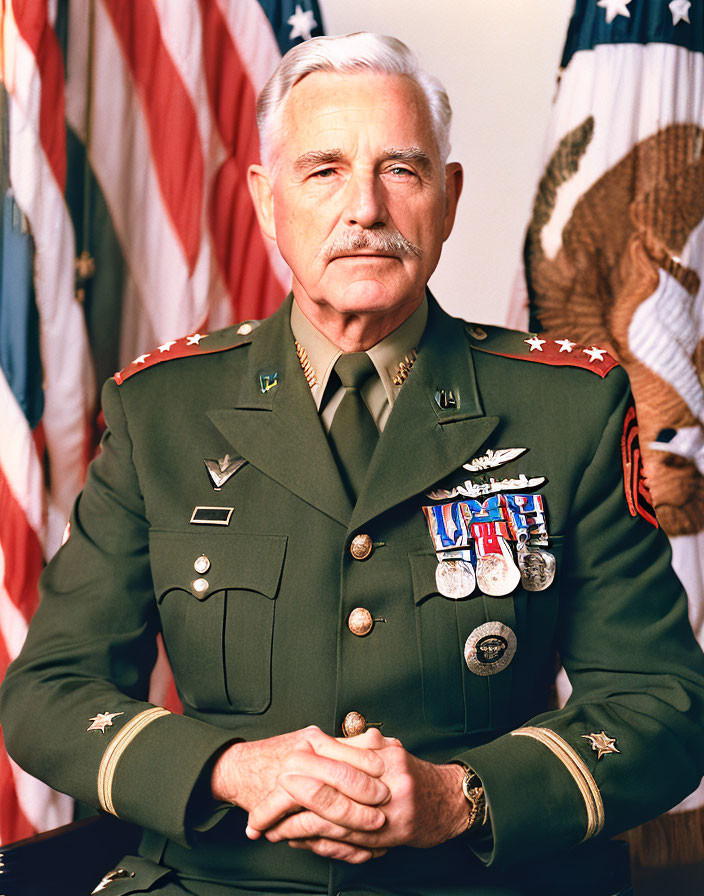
(361, 546)
(200, 586)
(360, 622)
(202, 564)
(477, 332)
(353, 723)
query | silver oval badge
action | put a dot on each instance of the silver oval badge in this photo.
(490, 648)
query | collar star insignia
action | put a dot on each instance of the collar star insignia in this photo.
(595, 354)
(166, 346)
(141, 359)
(565, 345)
(602, 744)
(680, 11)
(302, 23)
(194, 339)
(103, 720)
(615, 8)
(536, 343)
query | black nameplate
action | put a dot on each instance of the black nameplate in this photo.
(211, 516)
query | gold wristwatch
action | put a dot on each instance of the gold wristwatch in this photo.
(473, 791)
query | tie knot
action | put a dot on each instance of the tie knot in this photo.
(354, 369)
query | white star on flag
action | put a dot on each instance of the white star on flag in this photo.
(167, 345)
(565, 345)
(614, 8)
(535, 343)
(141, 359)
(680, 11)
(103, 720)
(194, 339)
(302, 23)
(595, 354)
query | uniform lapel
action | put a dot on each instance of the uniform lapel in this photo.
(279, 431)
(423, 443)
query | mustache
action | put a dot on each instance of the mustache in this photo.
(388, 242)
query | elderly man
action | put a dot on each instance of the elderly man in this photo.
(365, 530)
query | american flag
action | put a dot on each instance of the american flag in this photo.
(127, 131)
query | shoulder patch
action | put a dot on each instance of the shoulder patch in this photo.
(541, 349)
(638, 495)
(187, 346)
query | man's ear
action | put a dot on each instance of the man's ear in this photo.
(454, 179)
(260, 189)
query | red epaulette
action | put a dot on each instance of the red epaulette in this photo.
(540, 348)
(187, 346)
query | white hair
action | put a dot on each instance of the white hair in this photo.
(349, 54)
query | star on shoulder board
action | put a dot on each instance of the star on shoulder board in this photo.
(602, 744)
(103, 720)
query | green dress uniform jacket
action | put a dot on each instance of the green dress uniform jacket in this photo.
(254, 613)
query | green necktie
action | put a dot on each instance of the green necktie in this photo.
(353, 433)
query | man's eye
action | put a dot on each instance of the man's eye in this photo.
(401, 171)
(324, 172)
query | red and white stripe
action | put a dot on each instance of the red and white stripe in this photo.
(163, 95)
(32, 518)
(170, 150)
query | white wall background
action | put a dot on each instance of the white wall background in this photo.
(498, 60)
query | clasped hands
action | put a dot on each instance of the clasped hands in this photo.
(343, 798)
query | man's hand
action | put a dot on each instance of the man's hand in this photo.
(340, 782)
(426, 807)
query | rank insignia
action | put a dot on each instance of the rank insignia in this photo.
(221, 469)
(602, 744)
(102, 721)
(447, 399)
(637, 492)
(268, 379)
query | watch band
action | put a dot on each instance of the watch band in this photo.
(473, 791)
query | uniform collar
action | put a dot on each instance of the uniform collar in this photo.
(393, 356)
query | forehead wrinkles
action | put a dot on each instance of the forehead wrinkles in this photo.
(333, 104)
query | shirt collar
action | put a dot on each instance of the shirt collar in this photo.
(393, 356)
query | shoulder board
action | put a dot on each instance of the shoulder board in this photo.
(540, 348)
(188, 346)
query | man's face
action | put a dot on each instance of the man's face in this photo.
(359, 201)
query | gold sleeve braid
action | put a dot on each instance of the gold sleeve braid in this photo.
(116, 748)
(581, 775)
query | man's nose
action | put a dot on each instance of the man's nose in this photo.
(365, 203)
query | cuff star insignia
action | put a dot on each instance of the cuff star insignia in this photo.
(103, 720)
(602, 744)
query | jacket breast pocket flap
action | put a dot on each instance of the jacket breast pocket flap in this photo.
(216, 598)
(458, 695)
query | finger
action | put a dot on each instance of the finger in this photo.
(322, 799)
(348, 779)
(306, 824)
(358, 753)
(343, 852)
(371, 739)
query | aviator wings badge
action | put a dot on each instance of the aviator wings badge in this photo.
(220, 470)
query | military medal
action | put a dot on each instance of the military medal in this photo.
(455, 578)
(490, 648)
(489, 526)
(537, 568)
(497, 574)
